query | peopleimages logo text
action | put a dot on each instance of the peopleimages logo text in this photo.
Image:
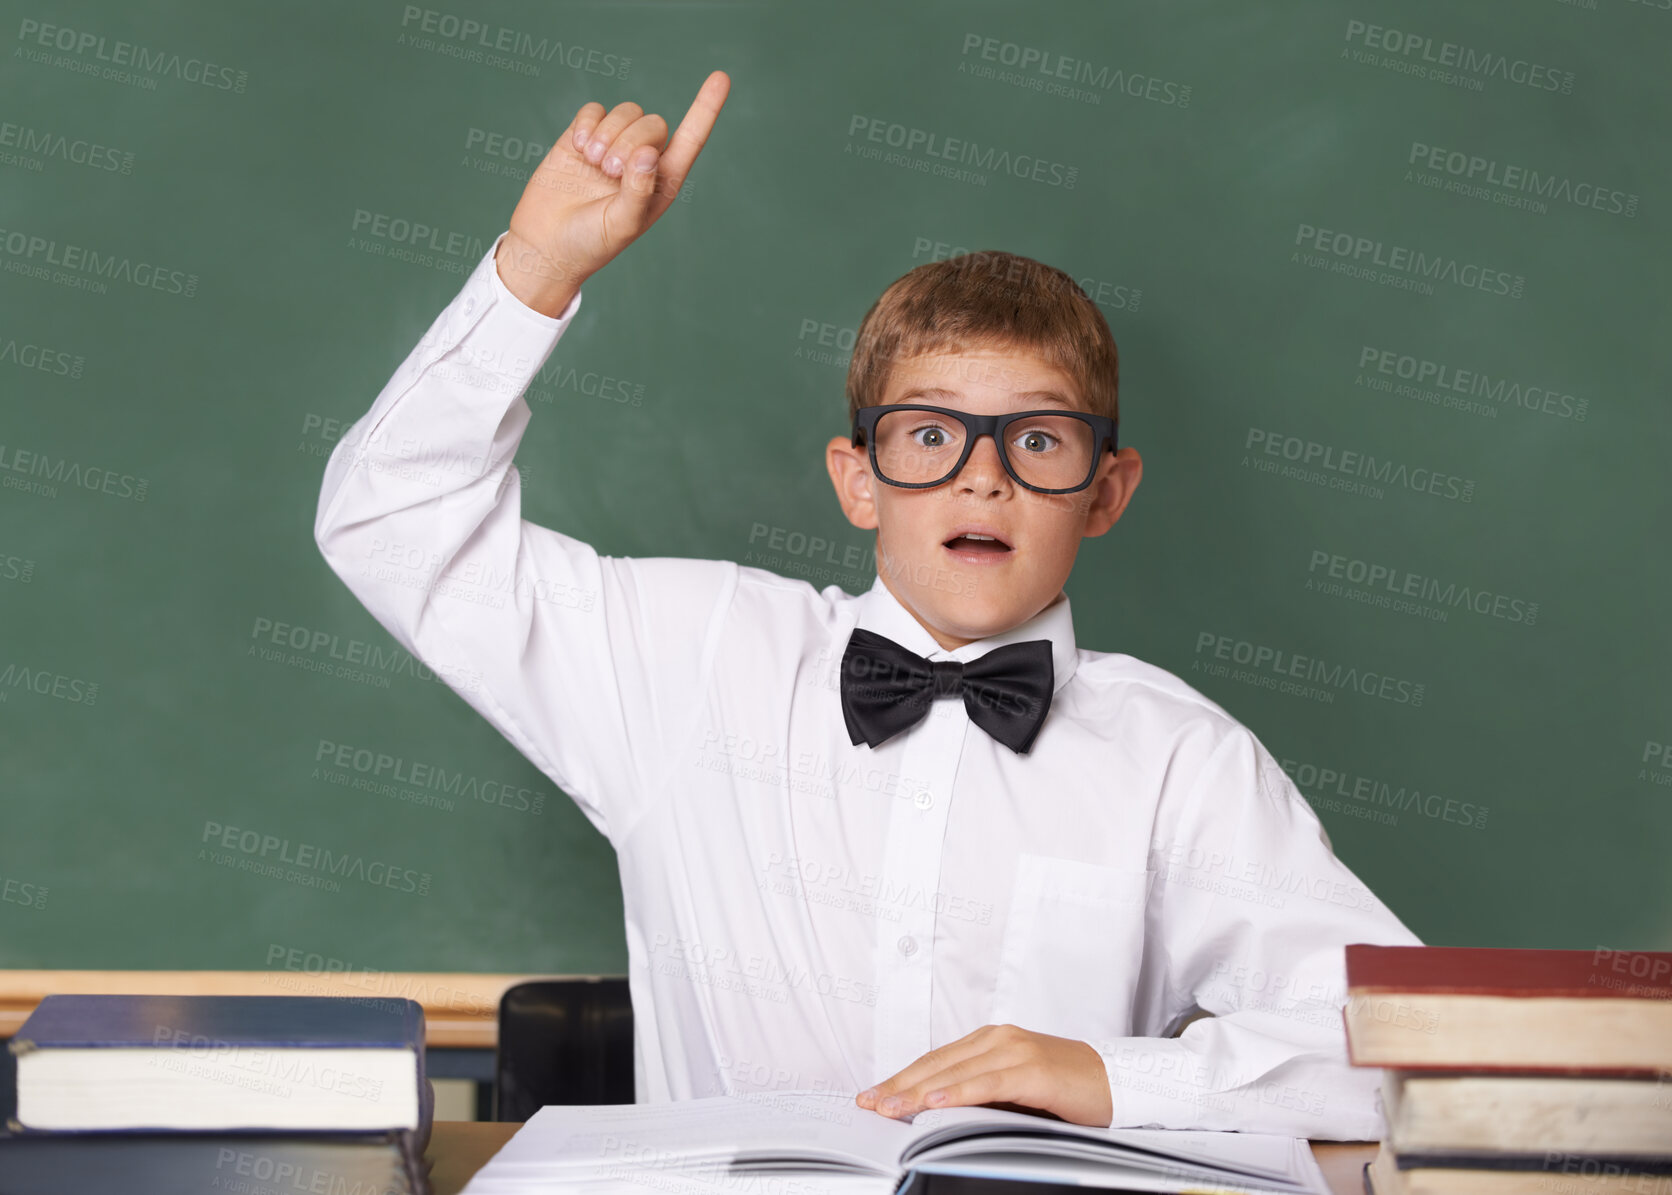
(34, 249)
(1488, 64)
(1365, 252)
(1263, 657)
(1475, 383)
(1364, 465)
(33, 35)
(1401, 582)
(270, 848)
(481, 36)
(1474, 168)
(1317, 782)
(910, 139)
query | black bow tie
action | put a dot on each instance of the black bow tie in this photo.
(887, 688)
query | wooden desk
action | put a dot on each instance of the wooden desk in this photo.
(1343, 1164)
(460, 1148)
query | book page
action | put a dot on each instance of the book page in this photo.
(947, 1132)
(831, 1146)
(760, 1129)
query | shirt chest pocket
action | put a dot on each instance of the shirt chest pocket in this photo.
(1072, 947)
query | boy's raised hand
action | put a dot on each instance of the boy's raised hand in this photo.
(1006, 1065)
(602, 184)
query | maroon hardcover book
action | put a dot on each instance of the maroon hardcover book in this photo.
(1505, 971)
(1403, 1010)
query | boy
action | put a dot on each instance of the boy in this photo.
(914, 845)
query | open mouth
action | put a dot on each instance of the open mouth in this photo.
(973, 543)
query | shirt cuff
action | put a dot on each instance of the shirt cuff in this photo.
(502, 293)
(1154, 1082)
(1164, 1083)
(496, 341)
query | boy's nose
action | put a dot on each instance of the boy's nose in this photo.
(983, 471)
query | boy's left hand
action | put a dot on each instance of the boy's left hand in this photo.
(1001, 1064)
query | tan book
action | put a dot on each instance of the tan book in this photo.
(1440, 1113)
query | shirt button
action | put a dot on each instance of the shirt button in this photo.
(923, 798)
(469, 304)
(908, 946)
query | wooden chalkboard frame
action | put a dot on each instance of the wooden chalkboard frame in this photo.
(461, 1009)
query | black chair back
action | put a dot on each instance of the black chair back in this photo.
(563, 1041)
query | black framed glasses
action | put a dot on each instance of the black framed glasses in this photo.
(1049, 452)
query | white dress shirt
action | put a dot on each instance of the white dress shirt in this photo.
(807, 913)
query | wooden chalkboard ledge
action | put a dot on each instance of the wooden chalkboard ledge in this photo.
(460, 1009)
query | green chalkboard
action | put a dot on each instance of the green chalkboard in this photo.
(1388, 284)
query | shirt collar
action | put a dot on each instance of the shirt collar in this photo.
(880, 611)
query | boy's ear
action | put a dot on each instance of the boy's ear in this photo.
(1117, 476)
(850, 473)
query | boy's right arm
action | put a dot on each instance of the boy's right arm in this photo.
(591, 665)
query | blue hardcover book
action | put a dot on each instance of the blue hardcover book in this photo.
(174, 1163)
(258, 1063)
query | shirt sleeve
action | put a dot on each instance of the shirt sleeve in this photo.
(1256, 914)
(592, 666)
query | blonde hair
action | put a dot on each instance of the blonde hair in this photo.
(988, 299)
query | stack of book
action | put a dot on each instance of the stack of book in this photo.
(1516, 1070)
(173, 1094)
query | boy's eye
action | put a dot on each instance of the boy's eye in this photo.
(1036, 440)
(929, 436)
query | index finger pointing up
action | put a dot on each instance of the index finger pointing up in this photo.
(692, 133)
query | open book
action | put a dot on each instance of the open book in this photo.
(802, 1143)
